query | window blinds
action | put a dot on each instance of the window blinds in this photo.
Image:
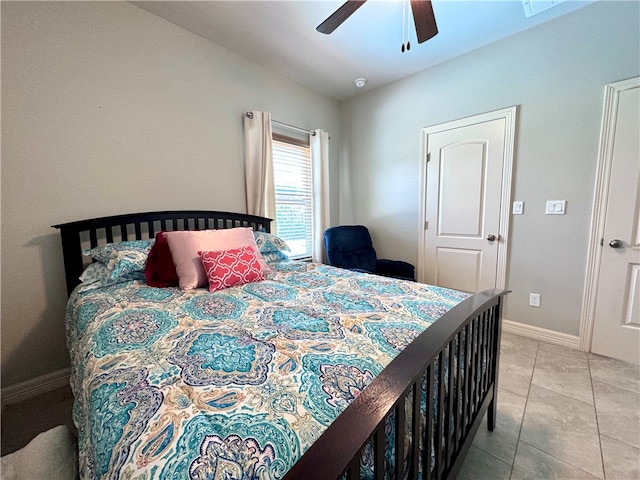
(292, 179)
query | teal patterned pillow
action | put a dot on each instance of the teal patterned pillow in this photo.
(97, 275)
(272, 248)
(122, 258)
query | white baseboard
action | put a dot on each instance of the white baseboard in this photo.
(31, 388)
(540, 334)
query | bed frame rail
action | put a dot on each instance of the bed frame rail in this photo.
(439, 387)
(140, 226)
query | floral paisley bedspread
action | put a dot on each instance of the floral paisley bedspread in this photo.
(232, 384)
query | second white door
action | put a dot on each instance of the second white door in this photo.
(465, 187)
(616, 324)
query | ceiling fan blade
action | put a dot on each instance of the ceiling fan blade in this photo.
(336, 18)
(424, 19)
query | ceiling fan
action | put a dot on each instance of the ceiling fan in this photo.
(423, 18)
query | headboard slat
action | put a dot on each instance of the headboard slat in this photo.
(123, 232)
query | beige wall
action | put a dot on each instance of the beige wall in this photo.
(108, 109)
(556, 74)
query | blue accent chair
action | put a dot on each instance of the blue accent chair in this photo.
(350, 247)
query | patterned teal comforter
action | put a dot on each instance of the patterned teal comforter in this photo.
(233, 384)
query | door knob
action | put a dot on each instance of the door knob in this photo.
(491, 237)
(615, 243)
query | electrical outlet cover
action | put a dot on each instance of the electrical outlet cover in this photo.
(534, 299)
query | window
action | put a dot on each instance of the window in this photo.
(292, 181)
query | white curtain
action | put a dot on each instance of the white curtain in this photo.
(320, 169)
(258, 165)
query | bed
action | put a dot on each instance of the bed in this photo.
(327, 373)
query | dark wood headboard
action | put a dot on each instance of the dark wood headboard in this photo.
(90, 233)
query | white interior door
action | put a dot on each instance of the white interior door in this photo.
(616, 325)
(465, 188)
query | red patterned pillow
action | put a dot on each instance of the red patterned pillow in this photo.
(231, 267)
(159, 269)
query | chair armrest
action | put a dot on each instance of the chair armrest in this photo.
(360, 270)
(395, 268)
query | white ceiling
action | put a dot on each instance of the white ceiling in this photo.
(281, 35)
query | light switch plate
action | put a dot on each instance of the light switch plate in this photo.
(518, 208)
(556, 207)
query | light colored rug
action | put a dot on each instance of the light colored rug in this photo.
(51, 455)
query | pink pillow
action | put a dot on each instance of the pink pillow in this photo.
(231, 267)
(185, 246)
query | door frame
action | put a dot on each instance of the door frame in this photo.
(600, 199)
(509, 115)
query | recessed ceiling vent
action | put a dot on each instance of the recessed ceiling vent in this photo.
(533, 7)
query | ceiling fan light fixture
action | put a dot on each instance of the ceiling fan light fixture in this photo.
(360, 82)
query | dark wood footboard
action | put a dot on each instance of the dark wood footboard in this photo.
(449, 378)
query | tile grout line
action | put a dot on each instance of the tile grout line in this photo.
(577, 400)
(559, 459)
(602, 473)
(595, 411)
(626, 444)
(604, 380)
(524, 411)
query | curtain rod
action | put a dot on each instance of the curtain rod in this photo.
(286, 125)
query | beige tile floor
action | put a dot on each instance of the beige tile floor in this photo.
(562, 414)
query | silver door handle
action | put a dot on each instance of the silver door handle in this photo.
(615, 243)
(491, 237)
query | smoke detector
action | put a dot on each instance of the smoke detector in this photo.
(360, 82)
